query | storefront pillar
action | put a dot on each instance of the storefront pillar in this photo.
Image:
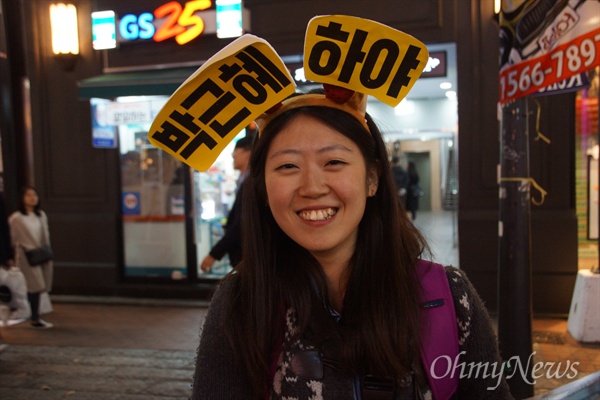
(514, 269)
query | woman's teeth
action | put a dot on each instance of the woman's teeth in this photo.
(317, 215)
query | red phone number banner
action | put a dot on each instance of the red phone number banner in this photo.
(579, 55)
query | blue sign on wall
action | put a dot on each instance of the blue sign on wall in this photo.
(130, 203)
(103, 135)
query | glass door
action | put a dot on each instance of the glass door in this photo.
(152, 194)
(171, 216)
(213, 194)
(152, 206)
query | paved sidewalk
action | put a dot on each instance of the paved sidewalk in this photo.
(103, 352)
(145, 350)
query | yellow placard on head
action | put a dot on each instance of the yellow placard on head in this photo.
(221, 98)
(363, 55)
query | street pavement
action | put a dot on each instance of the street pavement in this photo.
(135, 349)
(118, 351)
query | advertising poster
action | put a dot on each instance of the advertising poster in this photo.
(104, 134)
(545, 43)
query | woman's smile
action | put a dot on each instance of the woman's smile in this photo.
(316, 180)
(317, 215)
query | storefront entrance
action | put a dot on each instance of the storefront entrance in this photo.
(171, 216)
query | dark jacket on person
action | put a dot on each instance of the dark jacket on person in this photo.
(231, 242)
(6, 250)
(401, 179)
(413, 191)
(216, 366)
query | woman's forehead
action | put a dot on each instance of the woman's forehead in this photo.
(308, 132)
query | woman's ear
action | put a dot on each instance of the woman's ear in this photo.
(373, 180)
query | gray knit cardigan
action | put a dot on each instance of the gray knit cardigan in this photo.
(217, 376)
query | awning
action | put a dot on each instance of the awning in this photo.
(138, 83)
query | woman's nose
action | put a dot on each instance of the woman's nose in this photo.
(313, 183)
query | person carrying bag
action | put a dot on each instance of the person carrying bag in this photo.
(36, 257)
(30, 238)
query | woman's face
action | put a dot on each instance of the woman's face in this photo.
(30, 199)
(317, 185)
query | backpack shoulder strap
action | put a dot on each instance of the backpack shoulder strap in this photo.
(439, 340)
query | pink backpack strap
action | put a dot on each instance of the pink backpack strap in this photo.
(439, 340)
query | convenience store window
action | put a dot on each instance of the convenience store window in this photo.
(171, 216)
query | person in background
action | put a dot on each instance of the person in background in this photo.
(6, 250)
(414, 190)
(327, 296)
(231, 242)
(400, 178)
(29, 230)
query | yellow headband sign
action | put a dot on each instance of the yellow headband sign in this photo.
(230, 90)
(246, 78)
(364, 56)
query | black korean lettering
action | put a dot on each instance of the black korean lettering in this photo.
(229, 126)
(250, 89)
(391, 51)
(216, 107)
(186, 120)
(263, 60)
(202, 138)
(355, 55)
(401, 78)
(333, 31)
(229, 71)
(328, 50)
(171, 136)
(208, 86)
(263, 76)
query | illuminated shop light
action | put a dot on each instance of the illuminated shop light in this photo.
(229, 18)
(65, 36)
(104, 31)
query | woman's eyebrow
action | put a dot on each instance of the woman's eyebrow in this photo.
(284, 152)
(325, 149)
(334, 147)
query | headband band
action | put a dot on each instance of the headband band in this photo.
(355, 106)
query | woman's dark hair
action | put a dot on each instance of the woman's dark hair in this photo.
(22, 208)
(378, 333)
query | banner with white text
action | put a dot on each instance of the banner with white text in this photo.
(544, 43)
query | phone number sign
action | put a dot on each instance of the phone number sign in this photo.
(567, 60)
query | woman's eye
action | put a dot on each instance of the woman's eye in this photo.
(335, 162)
(286, 166)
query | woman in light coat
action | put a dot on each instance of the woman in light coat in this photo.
(29, 230)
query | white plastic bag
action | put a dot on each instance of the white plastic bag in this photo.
(15, 281)
(45, 304)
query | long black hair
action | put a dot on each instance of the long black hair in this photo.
(22, 209)
(379, 329)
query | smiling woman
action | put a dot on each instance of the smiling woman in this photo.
(330, 299)
(316, 182)
(327, 302)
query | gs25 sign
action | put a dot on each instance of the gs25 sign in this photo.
(170, 20)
